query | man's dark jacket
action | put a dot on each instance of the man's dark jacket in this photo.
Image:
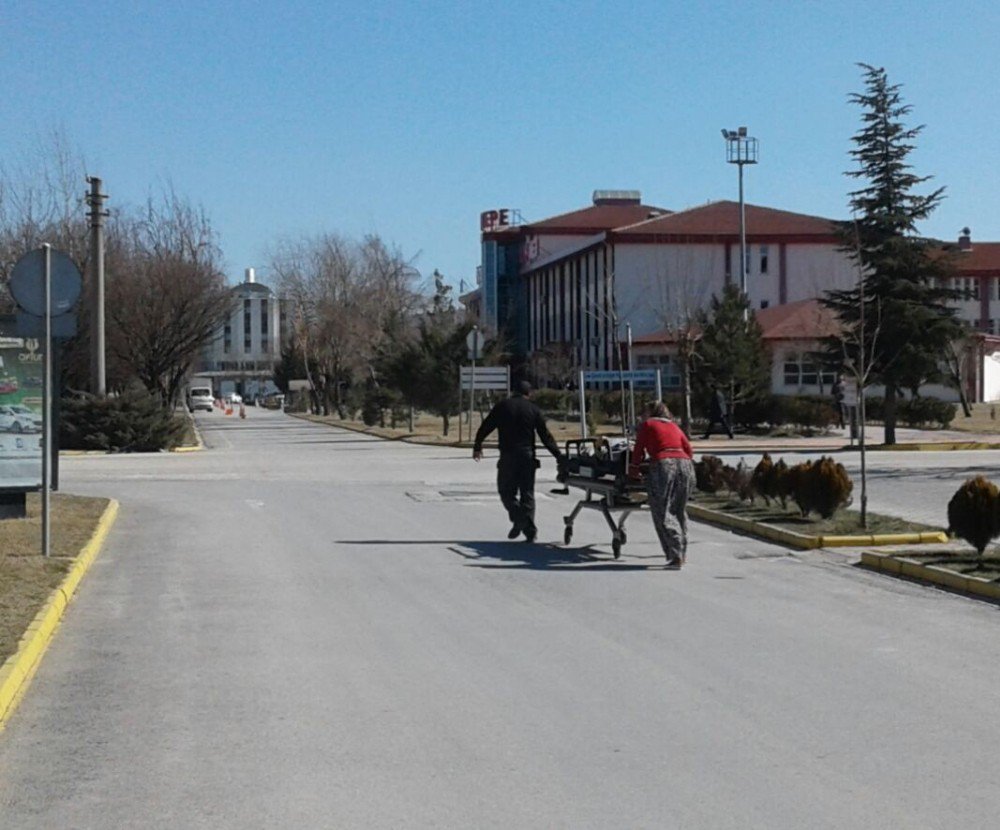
(517, 420)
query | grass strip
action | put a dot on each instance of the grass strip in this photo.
(26, 577)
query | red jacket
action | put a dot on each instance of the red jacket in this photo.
(660, 438)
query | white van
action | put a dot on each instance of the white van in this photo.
(200, 397)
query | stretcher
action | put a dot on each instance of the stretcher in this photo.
(599, 468)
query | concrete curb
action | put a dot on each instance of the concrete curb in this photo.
(197, 434)
(804, 542)
(952, 580)
(943, 446)
(18, 669)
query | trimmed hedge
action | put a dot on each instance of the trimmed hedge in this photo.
(914, 412)
(821, 486)
(131, 422)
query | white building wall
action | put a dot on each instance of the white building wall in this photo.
(657, 283)
(813, 269)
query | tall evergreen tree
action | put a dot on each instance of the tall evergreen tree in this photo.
(909, 321)
(731, 354)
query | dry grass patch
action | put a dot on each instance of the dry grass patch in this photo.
(26, 577)
(842, 523)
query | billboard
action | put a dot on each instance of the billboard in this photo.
(21, 368)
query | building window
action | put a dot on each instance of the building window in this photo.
(763, 259)
(968, 287)
(264, 308)
(227, 338)
(669, 366)
(265, 344)
(764, 303)
(802, 370)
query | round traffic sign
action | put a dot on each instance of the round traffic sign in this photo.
(27, 282)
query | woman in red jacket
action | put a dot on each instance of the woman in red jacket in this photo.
(670, 480)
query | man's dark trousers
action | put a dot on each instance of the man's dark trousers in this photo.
(516, 485)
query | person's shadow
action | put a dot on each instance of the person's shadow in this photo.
(529, 555)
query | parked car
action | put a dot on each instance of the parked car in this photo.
(15, 421)
(8, 384)
(200, 397)
(234, 397)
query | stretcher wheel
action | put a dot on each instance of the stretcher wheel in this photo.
(616, 547)
(567, 535)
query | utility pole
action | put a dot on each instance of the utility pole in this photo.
(741, 149)
(95, 199)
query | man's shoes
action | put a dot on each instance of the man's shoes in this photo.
(674, 563)
(515, 531)
(530, 533)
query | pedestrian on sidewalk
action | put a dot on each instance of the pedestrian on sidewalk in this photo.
(517, 420)
(670, 480)
(718, 412)
(838, 400)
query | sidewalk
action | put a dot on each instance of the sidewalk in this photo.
(839, 439)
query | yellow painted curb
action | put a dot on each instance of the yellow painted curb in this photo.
(20, 667)
(806, 542)
(887, 563)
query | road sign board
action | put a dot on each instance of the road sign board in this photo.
(27, 282)
(637, 376)
(486, 377)
(850, 392)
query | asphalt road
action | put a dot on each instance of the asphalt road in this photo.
(303, 627)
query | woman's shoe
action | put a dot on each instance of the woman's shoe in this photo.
(674, 563)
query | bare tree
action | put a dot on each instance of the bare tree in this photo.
(346, 298)
(681, 300)
(166, 294)
(41, 200)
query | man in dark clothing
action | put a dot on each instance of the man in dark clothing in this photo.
(718, 413)
(517, 420)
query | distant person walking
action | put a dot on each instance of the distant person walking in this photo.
(517, 420)
(718, 412)
(670, 479)
(838, 400)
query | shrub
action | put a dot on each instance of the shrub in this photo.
(738, 480)
(923, 412)
(762, 473)
(829, 487)
(972, 513)
(776, 483)
(550, 400)
(809, 413)
(708, 474)
(371, 408)
(134, 421)
(793, 486)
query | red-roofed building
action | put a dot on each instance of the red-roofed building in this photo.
(562, 283)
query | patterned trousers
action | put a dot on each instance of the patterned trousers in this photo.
(670, 483)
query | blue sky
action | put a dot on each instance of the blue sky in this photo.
(407, 119)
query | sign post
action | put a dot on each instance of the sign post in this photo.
(45, 281)
(47, 407)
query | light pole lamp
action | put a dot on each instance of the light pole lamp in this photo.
(741, 149)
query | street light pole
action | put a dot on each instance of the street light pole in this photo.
(741, 149)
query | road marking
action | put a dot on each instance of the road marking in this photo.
(253, 504)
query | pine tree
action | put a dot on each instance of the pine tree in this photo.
(732, 355)
(910, 321)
